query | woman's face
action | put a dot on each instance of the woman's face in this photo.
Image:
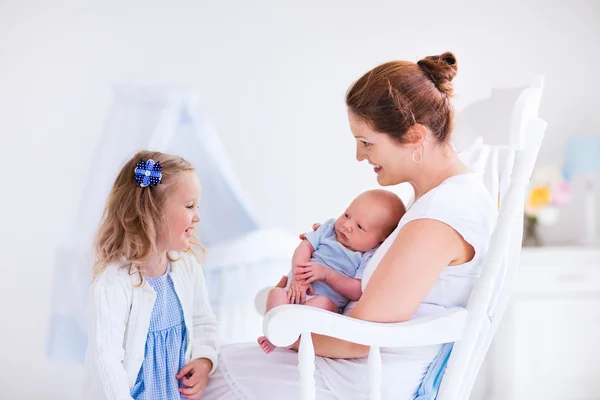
(391, 161)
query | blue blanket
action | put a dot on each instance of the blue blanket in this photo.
(430, 385)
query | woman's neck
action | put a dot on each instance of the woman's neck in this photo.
(439, 167)
(156, 265)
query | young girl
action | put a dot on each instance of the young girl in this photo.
(152, 333)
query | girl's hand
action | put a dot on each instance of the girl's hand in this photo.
(314, 228)
(310, 272)
(195, 378)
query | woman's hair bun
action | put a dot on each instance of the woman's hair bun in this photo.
(441, 70)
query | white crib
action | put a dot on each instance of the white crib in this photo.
(235, 271)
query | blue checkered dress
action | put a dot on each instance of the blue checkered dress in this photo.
(165, 345)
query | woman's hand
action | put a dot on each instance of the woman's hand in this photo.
(310, 272)
(195, 378)
(314, 228)
(282, 282)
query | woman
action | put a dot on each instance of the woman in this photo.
(401, 116)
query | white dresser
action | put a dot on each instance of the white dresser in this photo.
(548, 344)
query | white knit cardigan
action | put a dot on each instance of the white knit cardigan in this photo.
(119, 317)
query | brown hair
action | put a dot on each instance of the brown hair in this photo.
(394, 96)
(133, 216)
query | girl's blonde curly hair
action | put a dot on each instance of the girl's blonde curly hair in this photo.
(134, 217)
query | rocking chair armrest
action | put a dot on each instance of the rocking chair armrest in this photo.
(284, 324)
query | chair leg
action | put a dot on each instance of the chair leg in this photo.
(374, 366)
(306, 364)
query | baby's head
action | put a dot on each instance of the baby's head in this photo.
(369, 219)
(152, 209)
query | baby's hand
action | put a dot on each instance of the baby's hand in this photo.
(310, 272)
(297, 292)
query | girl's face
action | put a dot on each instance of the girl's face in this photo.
(391, 161)
(181, 212)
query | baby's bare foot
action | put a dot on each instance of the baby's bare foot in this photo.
(266, 345)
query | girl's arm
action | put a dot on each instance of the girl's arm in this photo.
(422, 249)
(206, 330)
(109, 309)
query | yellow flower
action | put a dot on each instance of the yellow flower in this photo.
(539, 197)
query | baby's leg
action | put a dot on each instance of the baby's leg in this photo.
(322, 302)
(277, 297)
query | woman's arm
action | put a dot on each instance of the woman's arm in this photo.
(422, 249)
(109, 309)
(348, 287)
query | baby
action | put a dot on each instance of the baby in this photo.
(327, 267)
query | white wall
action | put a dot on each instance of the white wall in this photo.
(272, 76)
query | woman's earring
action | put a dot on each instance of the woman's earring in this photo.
(414, 156)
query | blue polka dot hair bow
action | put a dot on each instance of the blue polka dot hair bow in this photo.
(147, 173)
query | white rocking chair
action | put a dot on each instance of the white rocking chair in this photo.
(471, 328)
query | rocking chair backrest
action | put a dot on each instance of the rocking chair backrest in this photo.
(491, 293)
